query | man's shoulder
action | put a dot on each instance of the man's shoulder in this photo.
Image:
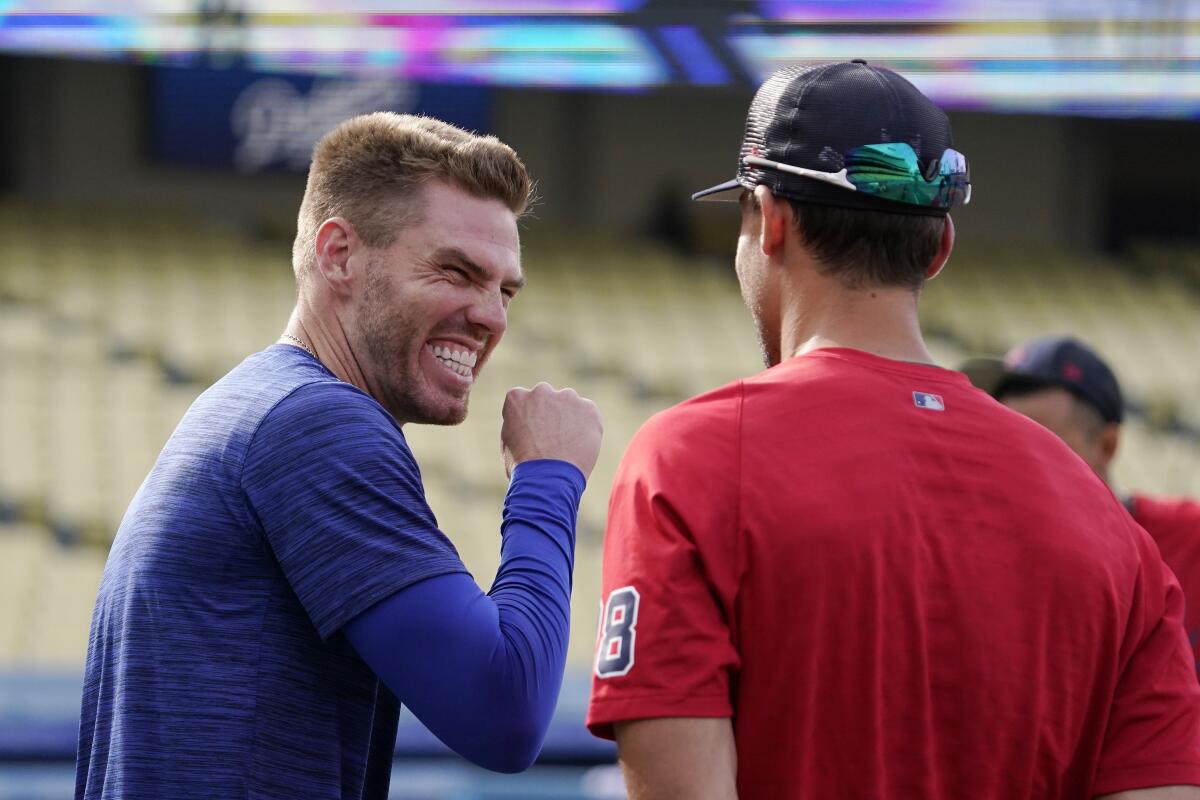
(1156, 512)
(274, 373)
(329, 402)
(688, 439)
(712, 414)
(333, 418)
(284, 383)
(281, 400)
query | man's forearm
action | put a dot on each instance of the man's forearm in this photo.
(483, 672)
(685, 758)
(1157, 793)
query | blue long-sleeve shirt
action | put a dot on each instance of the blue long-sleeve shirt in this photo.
(483, 672)
(284, 517)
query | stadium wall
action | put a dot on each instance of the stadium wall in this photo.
(607, 161)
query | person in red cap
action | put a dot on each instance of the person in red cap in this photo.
(855, 575)
(1064, 385)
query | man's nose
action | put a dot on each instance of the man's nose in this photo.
(489, 311)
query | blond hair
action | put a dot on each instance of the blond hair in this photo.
(367, 168)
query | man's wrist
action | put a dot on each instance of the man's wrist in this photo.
(538, 468)
(545, 493)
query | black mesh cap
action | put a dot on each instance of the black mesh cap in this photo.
(809, 116)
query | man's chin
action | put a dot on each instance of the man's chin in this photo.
(446, 413)
(426, 411)
(456, 418)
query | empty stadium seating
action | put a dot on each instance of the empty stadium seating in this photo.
(110, 325)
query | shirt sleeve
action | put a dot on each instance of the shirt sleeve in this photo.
(483, 673)
(1153, 734)
(1174, 524)
(671, 570)
(340, 500)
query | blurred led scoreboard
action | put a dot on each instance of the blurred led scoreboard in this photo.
(1094, 57)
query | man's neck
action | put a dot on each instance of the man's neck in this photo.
(883, 322)
(326, 338)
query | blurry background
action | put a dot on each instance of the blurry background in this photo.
(152, 158)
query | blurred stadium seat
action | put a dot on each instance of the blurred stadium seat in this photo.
(1144, 322)
(110, 329)
(112, 326)
(112, 321)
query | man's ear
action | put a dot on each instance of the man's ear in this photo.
(943, 251)
(1110, 437)
(776, 219)
(336, 242)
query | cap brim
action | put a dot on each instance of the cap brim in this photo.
(993, 377)
(985, 373)
(727, 192)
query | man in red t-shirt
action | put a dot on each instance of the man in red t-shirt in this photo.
(1064, 385)
(854, 575)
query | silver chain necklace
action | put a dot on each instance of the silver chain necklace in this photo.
(300, 342)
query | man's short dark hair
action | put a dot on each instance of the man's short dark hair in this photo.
(870, 249)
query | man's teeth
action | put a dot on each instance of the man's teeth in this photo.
(460, 361)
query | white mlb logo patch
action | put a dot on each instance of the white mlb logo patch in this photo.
(931, 402)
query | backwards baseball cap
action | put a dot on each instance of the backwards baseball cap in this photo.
(849, 135)
(1052, 361)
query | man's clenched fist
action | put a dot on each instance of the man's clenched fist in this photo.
(544, 422)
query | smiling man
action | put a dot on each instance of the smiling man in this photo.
(279, 585)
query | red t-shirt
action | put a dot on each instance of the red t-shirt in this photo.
(897, 588)
(1174, 523)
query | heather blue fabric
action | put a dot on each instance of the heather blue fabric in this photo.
(285, 504)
